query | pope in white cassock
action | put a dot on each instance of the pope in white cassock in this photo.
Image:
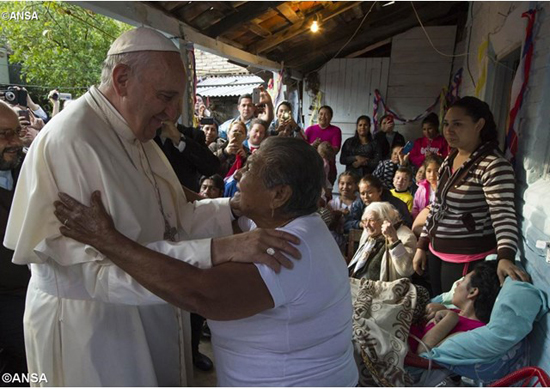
(88, 323)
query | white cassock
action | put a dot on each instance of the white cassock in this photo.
(88, 323)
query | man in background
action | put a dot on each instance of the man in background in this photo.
(13, 278)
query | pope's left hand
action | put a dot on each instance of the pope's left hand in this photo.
(170, 131)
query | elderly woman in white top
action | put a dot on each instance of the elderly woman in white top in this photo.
(291, 328)
(386, 248)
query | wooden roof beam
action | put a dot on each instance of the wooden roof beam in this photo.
(369, 48)
(141, 14)
(404, 21)
(172, 5)
(286, 10)
(299, 28)
(244, 13)
(259, 30)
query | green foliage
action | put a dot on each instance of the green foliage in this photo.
(65, 48)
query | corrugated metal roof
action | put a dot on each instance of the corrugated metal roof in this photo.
(228, 86)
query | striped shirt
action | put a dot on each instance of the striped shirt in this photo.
(474, 209)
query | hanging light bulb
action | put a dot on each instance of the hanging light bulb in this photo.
(314, 26)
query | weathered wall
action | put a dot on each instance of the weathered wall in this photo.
(348, 86)
(418, 73)
(503, 24)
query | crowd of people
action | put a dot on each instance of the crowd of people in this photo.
(243, 223)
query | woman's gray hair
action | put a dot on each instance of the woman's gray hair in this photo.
(136, 61)
(293, 162)
(384, 210)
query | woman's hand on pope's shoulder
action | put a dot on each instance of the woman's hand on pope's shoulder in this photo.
(89, 225)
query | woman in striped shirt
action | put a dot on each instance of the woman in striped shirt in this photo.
(473, 214)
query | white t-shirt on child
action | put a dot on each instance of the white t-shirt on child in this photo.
(305, 340)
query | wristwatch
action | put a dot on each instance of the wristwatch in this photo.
(182, 143)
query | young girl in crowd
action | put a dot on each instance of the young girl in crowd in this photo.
(420, 174)
(326, 152)
(474, 297)
(372, 190)
(425, 193)
(340, 207)
(432, 143)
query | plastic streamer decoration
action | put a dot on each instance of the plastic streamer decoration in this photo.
(521, 80)
(447, 97)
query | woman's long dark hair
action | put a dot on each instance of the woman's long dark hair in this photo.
(477, 109)
(356, 139)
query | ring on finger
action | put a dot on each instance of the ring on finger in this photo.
(65, 222)
(270, 251)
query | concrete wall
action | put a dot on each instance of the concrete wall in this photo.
(502, 22)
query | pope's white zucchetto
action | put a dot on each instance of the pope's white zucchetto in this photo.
(141, 39)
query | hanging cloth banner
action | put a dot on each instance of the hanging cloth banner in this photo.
(521, 80)
(315, 105)
(448, 97)
(482, 59)
(275, 88)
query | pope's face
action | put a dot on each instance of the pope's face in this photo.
(154, 94)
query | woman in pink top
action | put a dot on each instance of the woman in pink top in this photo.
(323, 131)
(474, 297)
(432, 143)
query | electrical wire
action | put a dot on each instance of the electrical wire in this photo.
(467, 53)
(471, 8)
(350, 39)
(430, 40)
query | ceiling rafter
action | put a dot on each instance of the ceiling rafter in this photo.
(259, 30)
(244, 13)
(404, 20)
(286, 10)
(329, 12)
